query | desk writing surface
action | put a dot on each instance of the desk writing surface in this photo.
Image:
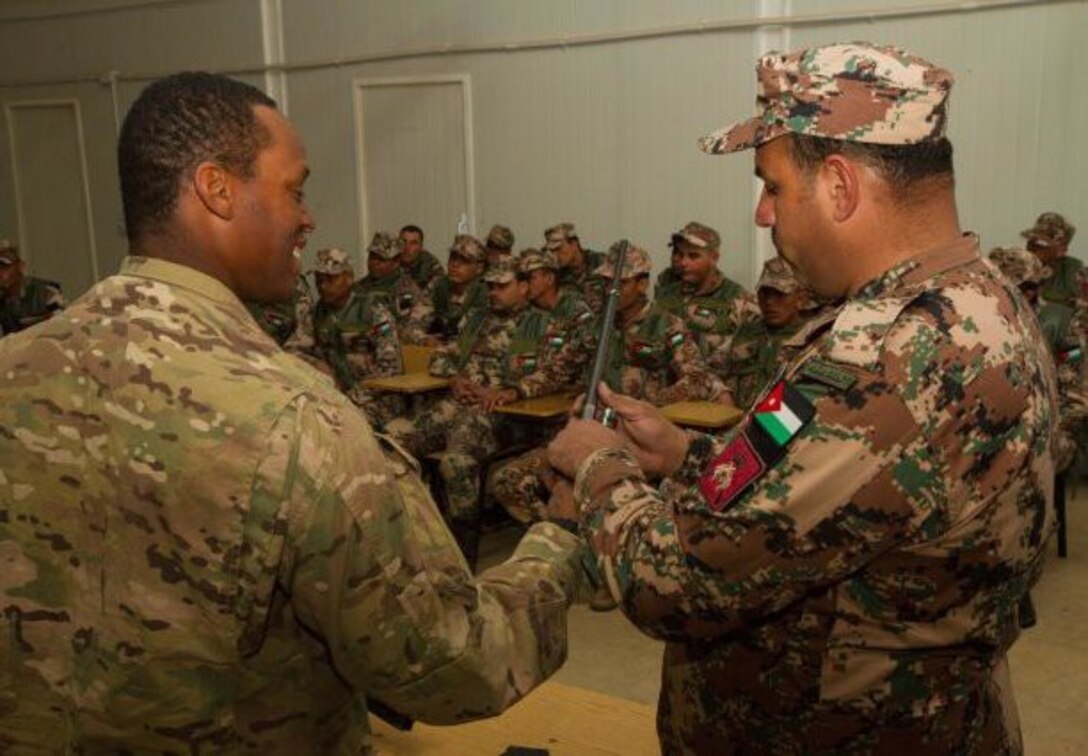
(709, 415)
(565, 720)
(408, 383)
(545, 407)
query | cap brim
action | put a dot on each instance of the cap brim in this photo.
(743, 135)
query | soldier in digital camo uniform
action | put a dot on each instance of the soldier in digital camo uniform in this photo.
(756, 353)
(460, 424)
(205, 549)
(24, 300)
(461, 289)
(843, 572)
(1049, 239)
(651, 357)
(386, 279)
(576, 264)
(499, 244)
(418, 262)
(712, 306)
(356, 335)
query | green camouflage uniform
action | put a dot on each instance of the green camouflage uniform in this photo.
(465, 433)
(668, 280)
(359, 341)
(450, 308)
(411, 308)
(586, 284)
(551, 348)
(205, 548)
(713, 316)
(290, 323)
(36, 301)
(814, 596)
(754, 358)
(425, 270)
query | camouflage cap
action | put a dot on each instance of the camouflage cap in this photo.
(697, 235)
(558, 234)
(1019, 265)
(500, 237)
(332, 261)
(9, 253)
(857, 92)
(778, 275)
(384, 246)
(637, 262)
(468, 247)
(502, 271)
(531, 258)
(1050, 229)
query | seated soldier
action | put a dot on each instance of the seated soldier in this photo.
(577, 266)
(651, 357)
(289, 323)
(756, 352)
(460, 290)
(668, 280)
(554, 339)
(459, 423)
(385, 277)
(499, 244)
(355, 334)
(24, 300)
(1049, 240)
(712, 306)
(420, 265)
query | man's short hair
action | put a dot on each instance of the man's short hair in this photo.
(903, 166)
(411, 228)
(176, 124)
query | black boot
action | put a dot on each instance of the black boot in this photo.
(1026, 612)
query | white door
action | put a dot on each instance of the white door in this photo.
(56, 233)
(415, 157)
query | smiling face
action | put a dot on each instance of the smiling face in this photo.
(271, 220)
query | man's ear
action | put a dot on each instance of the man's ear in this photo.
(213, 184)
(841, 183)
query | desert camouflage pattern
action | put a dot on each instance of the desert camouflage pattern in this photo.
(550, 349)
(450, 306)
(651, 357)
(635, 263)
(468, 247)
(500, 237)
(289, 323)
(1062, 286)
(713, 315)
(1050, 229)
(586, 282)
(855, 92)
(206, 550)
(36, 300)
(411, 307)
(754, 358)
(384, 245)
(479, 353)
(792, 621)
(424, 270)
(531, 258)
(332, 261)
(559, 233)
(698, 235)
(359, 341)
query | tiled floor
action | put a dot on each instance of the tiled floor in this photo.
(1049, 663)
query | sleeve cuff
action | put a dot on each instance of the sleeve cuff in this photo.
(600, 471)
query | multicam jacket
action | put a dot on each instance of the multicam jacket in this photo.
(410, 306)
(38, 300)
(358, 341)
(843, 572)
(654, 359)
(550, 348)
(205, 549)
(712, 316)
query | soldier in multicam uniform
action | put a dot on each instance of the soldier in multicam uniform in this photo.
(756, 354)
(24, 300)
(386, 278)
(712, 306)
(356, 335)
(1049, 239)
(651, 357)
(460, 424)
(461, 289)
(204, 547)
(419, 263)
(499, 244)
(576, 265)
(843, 571)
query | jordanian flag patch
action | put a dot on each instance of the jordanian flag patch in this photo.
(783, 413)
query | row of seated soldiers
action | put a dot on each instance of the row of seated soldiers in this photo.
(24, 299)
(508, 327)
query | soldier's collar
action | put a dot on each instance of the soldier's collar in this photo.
(178, 275)
(713, 281)
(921, 267)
